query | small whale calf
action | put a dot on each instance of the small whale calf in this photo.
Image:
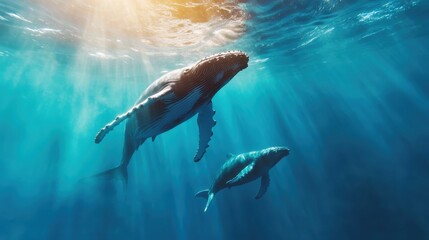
(171, 100)
(244, 168)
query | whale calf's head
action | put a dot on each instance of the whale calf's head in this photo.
(216, 70)
(274, 154)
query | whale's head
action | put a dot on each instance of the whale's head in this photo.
(217, 70)
(274, 154)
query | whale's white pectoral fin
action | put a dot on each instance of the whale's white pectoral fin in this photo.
(205, 125)
(265, 182)
(120, 118)
(243, 173)
(230, 155)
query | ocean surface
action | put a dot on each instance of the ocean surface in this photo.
(343, 83)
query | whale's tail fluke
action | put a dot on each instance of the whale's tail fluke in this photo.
(120, 172)
(207, 195)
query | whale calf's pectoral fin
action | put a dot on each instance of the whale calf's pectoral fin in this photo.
(242, 174)
(230, 155)
(265, 182)
(205, 125)
(120, 118)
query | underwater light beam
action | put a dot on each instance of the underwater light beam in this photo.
(137, 24)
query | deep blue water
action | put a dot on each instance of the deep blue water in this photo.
(343, 84)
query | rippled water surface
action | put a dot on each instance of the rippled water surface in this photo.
(343, 84)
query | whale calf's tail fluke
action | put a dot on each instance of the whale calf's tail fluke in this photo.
(207, 195)
(116, 172)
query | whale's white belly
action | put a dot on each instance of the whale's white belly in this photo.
(181, 109)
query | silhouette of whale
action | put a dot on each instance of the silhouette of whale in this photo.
(244, 168)
(171, 100)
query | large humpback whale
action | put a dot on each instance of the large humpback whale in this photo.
(244, 168)
(172, 99)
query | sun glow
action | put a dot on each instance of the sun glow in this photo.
(163, 23)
